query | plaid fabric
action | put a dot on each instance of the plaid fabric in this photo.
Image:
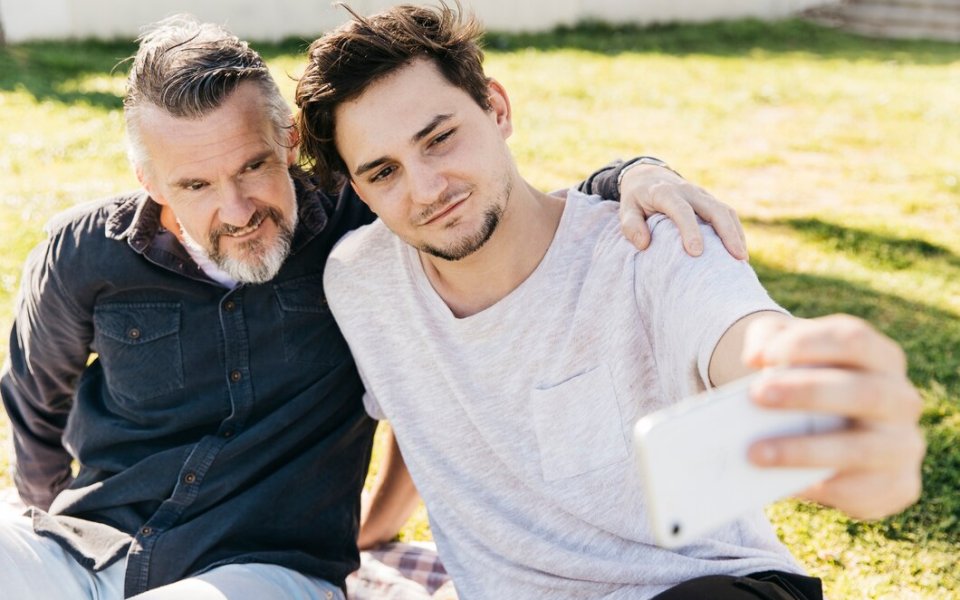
(399, 571)
(393, 571)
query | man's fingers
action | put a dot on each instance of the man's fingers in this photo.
(836, 340)
(723, 219)
(844, 450)
(861, 396)
(647, 190)
(634, 225)
(678, 210)
(867, 495)
(758, 335)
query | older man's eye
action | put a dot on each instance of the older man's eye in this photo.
(255, 165)
(195, 186)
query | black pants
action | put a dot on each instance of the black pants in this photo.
(768, 585)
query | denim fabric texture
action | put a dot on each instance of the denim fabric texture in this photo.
(213, 426)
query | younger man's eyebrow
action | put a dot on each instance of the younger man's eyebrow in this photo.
(418, 136)
(433, 124)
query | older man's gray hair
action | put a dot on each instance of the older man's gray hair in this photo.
(188, 68)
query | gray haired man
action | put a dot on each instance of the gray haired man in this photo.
(219, 431)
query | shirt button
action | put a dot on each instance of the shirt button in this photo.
(189, 478)
(146, 531)
(235, 376)
(229, 305)
(227, 433)
(329, 595)
(134, 333)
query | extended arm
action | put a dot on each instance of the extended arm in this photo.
(392, 500)
(49, 346)
(712, 310)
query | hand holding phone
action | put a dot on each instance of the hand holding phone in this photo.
(693, 457)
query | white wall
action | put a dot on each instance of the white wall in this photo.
(660, 11)
(272, 20)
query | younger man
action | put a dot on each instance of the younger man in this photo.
(513, 340)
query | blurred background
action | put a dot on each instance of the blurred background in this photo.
(833, 129)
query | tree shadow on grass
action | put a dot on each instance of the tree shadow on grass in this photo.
(931, 339)
(868, 247)
(42, 69)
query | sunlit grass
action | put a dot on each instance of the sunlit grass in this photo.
(841, 154)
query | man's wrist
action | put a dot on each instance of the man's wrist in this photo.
(642, 160)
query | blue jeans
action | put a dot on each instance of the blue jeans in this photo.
(36, 568)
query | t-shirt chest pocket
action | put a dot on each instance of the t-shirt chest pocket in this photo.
(578, 425)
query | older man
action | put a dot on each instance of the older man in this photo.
(219, 432)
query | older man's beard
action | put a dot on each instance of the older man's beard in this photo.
(254, 261)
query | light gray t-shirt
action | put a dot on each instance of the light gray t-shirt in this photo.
(516, 422)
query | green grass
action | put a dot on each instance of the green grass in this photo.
(841, 154)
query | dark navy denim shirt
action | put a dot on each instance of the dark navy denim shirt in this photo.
(211, 426)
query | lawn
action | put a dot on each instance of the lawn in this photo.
(842, 156)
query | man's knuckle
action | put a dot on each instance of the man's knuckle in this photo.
(905, 492)
(899, 358)
(663, 191)
(912, 402)
(864, 397)
(855, 335)
(917, 446)
(880, 447)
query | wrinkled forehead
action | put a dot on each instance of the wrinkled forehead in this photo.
(223, 138)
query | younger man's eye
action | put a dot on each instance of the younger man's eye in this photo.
(382, 174)
(443, 137)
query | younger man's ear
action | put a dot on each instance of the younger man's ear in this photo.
(500, 107)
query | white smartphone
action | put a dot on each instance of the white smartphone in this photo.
(693, 458)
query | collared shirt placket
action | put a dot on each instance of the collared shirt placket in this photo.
(199, 460)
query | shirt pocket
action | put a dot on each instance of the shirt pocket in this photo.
(578, 425)
(310, 335)
(139, 348)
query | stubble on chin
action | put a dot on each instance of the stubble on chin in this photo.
(468, 245)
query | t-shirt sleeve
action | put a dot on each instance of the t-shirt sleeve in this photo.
(370, 403)
(689, 303)
(340, 286)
